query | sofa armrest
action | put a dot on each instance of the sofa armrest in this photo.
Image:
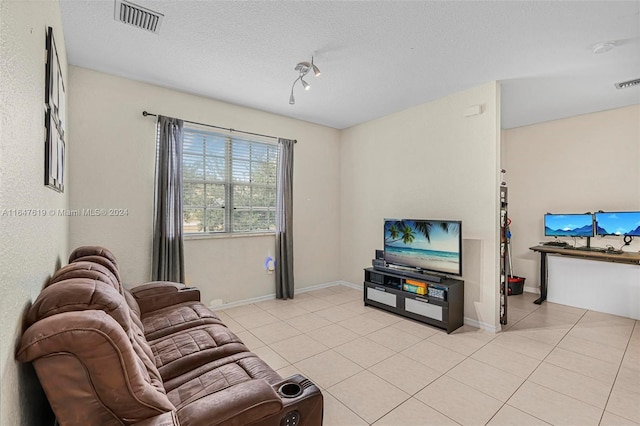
(165, 419)
(161, 294)
(302, 403)
(154, 288)
(237, 405)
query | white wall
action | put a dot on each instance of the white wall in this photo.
(427, 162)
(31, 247)
(112, 166)
(574, 165)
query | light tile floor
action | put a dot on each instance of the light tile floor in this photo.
(554, 364)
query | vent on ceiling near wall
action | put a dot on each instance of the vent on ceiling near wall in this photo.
(627, 84)
(138, 16)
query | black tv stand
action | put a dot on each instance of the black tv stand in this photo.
(441, 306)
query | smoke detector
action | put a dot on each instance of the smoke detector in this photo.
(138, 16)
(627, 84)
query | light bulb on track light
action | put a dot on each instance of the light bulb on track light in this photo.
(305, 85)
(292, 100)
(316, 70)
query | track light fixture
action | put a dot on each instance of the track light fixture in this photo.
(303, 69)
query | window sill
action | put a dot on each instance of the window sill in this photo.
(188, 237)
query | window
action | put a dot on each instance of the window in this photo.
(229, 183)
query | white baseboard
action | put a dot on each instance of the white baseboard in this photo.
(272, 296)
(350, 285)
(329, 284)
(535, 290)
(243, 302)
(475, 323)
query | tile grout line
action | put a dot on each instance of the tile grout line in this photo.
(367, 369)
(568, 396)
(589, 356)
(533, 371)
(441, 375)
(635, 324)
(347, 407)
(410, 395)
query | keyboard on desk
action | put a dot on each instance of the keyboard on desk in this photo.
(556, 244)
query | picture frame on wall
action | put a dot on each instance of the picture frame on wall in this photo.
(54, 120)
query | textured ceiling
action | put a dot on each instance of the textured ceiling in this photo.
(376, 57)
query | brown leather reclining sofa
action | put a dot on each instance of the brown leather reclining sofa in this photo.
(150, 356)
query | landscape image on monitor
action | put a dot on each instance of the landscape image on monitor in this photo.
(425, 244)
(568, 225)
(619, 223)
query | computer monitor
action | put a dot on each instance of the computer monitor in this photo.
(568, 225)
(618, 223)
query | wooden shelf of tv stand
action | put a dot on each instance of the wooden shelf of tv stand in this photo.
(446, 314)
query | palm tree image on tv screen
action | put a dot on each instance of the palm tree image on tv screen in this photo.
(425, 244)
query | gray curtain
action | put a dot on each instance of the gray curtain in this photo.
(168, 250)
(284, 221)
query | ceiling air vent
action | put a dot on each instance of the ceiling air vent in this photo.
(138, 16)
(627, 84)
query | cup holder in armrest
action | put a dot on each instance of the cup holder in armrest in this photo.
(290, 390)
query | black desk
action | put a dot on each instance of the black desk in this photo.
(631, 258)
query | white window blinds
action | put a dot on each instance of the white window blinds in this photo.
(229, 183)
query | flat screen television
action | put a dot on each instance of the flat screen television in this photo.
(618, 223)
(568, 225)
(431, 245)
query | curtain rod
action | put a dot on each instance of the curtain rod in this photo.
(145, 113)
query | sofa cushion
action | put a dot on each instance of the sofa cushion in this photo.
(98, 272)
(175, 318)
(91, 270)
(104, 262)
(247, 403)
(79, 294)
(183, 351)
(218, 375)
(93, 251)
